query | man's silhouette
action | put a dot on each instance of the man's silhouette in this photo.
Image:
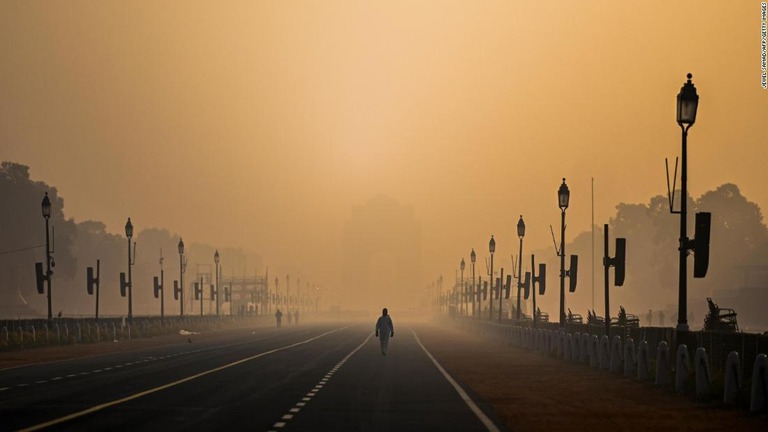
(384, 330)
(279, 318)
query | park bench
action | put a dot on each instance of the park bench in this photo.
(720, 319)
(626, 320)
(542, 316)
(593, 319)
(574, 318)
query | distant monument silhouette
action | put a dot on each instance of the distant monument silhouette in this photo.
(382, 255)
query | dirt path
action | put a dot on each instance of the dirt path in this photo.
(535, 393)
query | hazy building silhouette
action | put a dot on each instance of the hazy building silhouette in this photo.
(382, 256)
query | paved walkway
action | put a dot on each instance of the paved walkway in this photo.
(534, 393)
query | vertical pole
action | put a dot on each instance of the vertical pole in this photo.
(181, 284)
(98, 275)
(217, 289)
(202, 291)
(162, 295)
(533, 289)
(562, 268)
(463, 293)
(474, 289)
(490, 294)
(519, 275)
(130, 285)
(606, 266)
(593, 243)
(501, 285)
(682, 311)
(48, 269)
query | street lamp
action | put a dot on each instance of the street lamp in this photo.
(520, 235)
(492, 249)
(216, 261)
(160, 289)
(472, 259)
(46, 205)
(463, 286)
(563, 197)
(687, 105)
(182, 269)
(129, 285)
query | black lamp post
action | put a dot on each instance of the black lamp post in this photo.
(687, 105)
(463, 286)
(472, 259)
(563, 197)
(129, 235)
(278, 299)
(520, 235)
(46, 204)
(491, 249)
(182, 269)
(216, 261)
(161, 290)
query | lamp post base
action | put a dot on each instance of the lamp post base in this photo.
(682, 327)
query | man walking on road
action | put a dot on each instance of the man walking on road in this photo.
(384, 330)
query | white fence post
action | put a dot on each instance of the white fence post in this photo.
(662, 364)
(682, 368)
(642, 361)
(703, 379)
(629, 357)
(757, 401)
(732, 378)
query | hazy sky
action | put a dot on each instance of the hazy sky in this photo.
(261, 123)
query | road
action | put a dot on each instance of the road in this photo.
(301, 378)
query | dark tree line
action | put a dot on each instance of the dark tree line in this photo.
(79, 245)
(739, 237)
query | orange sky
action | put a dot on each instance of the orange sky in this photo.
(261, 123)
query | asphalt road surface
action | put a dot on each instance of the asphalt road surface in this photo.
(305, 378)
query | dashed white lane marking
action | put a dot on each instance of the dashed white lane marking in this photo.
(4, 388)
(41, 382)
(56, 378)
(467, 400)
(100, 407)
(70, 375)
(318, 387)
(21, 385)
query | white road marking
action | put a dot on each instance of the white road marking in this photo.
(279, 424)
(40, 382)
(4, 388)
(468, 400)
(100, 407)
(319, 386)
(56, 378)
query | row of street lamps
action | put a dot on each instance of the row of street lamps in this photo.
(687, 106)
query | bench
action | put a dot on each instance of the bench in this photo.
(574, 318)
(541, 316)
(720, 319)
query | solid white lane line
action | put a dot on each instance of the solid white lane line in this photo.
(171, 384)
(468, 400)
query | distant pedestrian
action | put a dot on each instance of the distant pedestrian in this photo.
(296, 317)
(650, 317)
(384, 330)
(279, 318)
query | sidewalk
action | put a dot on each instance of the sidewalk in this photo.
(531, 392)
